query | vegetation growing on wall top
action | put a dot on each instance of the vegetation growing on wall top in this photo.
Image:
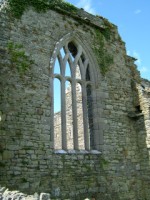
(103, 56)
(17, 7)
(18, 58)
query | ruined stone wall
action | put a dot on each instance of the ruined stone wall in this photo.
(144, 96)
(144, 104)
(28, 162)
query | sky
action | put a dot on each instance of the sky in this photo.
(133, 20)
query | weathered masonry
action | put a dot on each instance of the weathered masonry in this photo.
(99, 146)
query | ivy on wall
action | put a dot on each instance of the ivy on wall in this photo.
(18, 57)
(17, 7)
(105, 59)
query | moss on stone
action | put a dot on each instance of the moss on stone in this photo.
(17, 7)
(18, 57)
(103, 56)
(103, 163)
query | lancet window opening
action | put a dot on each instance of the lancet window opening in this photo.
(73, 122)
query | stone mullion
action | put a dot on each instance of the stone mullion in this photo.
(74, 111)
(85, 119)
(81, 67)
(63, 115)
(78, 56)
(63, 104)
(65, 59)
(62, 68)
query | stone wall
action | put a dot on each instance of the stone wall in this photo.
(144, 104)
(28, 162)
(144, 96)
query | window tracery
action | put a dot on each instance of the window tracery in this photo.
(73, 123)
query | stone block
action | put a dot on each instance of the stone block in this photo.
(7, 155)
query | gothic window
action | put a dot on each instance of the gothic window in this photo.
(72, 99)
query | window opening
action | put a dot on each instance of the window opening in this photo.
(62, 52)
(82, 58)
(67, 71)
(78, 73)
(57, 67)
(73, 118)
(90, 115)
(57, 98)
(72, 48)
(69, 117)
(80, 116)
(57, 114)
(87, 74)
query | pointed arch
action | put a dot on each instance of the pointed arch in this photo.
(70, 51)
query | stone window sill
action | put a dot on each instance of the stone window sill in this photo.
(60, 151)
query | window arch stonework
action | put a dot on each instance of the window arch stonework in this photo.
(77, 80)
